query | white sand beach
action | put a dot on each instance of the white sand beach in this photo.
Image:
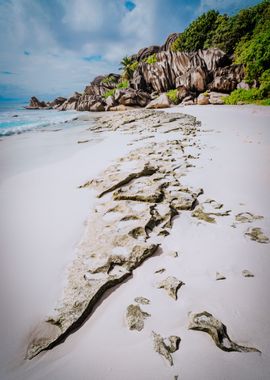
(43, 218)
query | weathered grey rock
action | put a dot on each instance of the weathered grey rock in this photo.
(220, 276)
(247, 273)
(217, 98)
(142, 300)
(110, 101)
(135, 317)
(34, 103)
(97, 107)
(217, 330)
(131, 97)
(203, 99)
(161, 102)
(173, 254)
(170, 40)
(257, 234)
(166, 346)
(227, 78)
(180, 68)
(58, 102)
(243, 85)
(171, 285)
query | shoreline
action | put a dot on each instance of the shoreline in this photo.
(220, 190)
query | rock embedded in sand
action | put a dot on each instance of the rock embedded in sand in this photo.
(217, 330)
(142, 300)
(247, 217)
(247, 273)
(256, 234)
(171, 285)
(135, 317)
(220, 276)
(166, 346)
(208, 217)
(159, 271)
(139, 195)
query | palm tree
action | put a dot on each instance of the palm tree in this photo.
(126, 67)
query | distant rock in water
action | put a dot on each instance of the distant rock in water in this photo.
(35, 104)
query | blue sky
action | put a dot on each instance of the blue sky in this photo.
(54, 47)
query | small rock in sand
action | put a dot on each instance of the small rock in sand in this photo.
(256, 234)
(160, 270)
(171, 285)
(135, 317)
(142, 300)
(220, 276)
(247, 217)
(166, 346)
(173, 254)
(247, 273)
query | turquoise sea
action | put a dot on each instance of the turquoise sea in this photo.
(15, 119)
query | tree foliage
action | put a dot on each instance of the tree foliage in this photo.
(245, 35)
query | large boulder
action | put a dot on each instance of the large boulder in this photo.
(131, 97)
(194, 79)
(217, 97)
(161, 102)
(203, 99)
(97, 107)
(227, 78)
(70, 103)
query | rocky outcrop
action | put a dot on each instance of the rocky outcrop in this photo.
(134, 210)
(190, 73)
(217, 330)
(173, 69)
(227, 78)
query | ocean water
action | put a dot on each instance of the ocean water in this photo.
(15, 119)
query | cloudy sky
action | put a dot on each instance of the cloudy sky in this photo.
(53, 47)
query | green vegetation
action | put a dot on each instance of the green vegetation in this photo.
(151, 59)
(109, 93)
(172, 95)
(259, 95)
(109, 79)
(212, 29)
(123, 84)
(246, 35)
(128, 67)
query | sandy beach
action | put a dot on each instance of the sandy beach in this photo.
(44, 218)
